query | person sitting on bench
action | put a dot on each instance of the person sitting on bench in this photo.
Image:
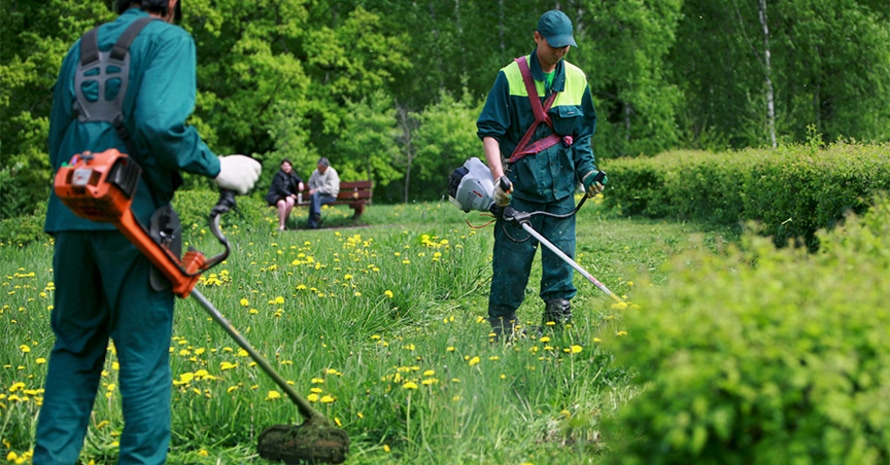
(324, 185)
(284, 191)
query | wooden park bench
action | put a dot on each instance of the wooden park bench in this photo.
(356, 194)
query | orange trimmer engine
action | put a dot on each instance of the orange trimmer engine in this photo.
(100, 187)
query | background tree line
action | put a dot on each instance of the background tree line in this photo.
(390, 89)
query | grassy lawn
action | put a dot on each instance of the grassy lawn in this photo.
(380, 323)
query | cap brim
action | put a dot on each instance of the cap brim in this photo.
(561, 41)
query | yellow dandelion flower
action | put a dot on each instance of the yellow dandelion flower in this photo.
(410, 385)
(25, 348)
(312, 397)
(327, 399)
(474, 361)
(244, 302)
(40, 361)
(621, 333)
(273, 395)
(386, 448)
(203, 453)
(450, 349)
(576, 349)
(388, 293)
(429, 372)
(544, 339)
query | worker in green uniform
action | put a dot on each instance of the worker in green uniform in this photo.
(102, 281)
(532, 175)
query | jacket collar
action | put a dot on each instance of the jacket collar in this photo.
(559, 80)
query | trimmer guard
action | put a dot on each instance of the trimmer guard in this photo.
(306, 443)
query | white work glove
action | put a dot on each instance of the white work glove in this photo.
(503, 191)
(238, 173)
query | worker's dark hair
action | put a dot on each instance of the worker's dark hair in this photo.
(157, 6)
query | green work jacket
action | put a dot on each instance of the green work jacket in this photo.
(554, 173)
(160, 97)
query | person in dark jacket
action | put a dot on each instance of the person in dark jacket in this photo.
(284, 192)
(103, 285)
(542, 175)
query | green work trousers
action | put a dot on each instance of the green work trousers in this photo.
(514, 252)
(103, 291)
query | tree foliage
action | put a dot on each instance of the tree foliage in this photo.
(390, 89)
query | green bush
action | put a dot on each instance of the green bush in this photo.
(193, 207)
(792, 191)
(23, 230)
(765, 356)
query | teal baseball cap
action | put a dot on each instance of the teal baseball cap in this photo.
(556, 28)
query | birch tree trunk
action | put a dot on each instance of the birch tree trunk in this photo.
(767, 70)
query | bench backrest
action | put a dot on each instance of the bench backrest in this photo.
(356, 190)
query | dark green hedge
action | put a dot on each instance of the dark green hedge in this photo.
(791, 191)
(193, 207)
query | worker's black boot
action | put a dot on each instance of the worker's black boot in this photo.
(503, 327)
(557, 313)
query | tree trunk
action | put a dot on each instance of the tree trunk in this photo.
(767, 70)
(407, 126)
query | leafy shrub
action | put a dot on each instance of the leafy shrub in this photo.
(193, 207)
(792, 191)
(764, 356)
(24, 230)
(11, 195)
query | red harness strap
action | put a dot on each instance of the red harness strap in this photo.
(525, 147)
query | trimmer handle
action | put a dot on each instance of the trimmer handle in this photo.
(506, 186)
(225, 203)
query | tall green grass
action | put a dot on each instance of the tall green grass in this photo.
(379, 322)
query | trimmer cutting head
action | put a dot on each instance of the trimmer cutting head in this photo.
(306, 443)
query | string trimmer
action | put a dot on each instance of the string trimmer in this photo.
(100, 187)
(470, 187)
